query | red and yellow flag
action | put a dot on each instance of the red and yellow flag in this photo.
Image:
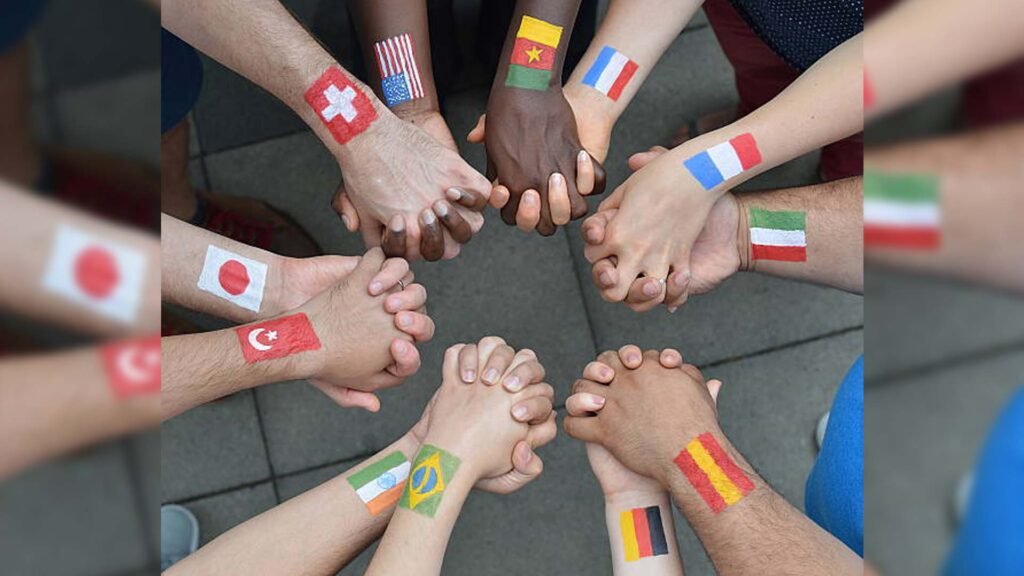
(719, 481)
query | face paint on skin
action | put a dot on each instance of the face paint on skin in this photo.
(341, 105)
(533, 54)
(901, 210)
(711, 472)
(724, 161)
(103, 276)
(380, 484)
(610, 73)
(778, 235)
(133, 366)
(277, 338)
(432, 471)
(399, 74)
(233, 277)
(643, 534)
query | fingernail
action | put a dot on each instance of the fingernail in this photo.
(490, 376)
(468, 376)
(528, 199)
(592, 234)
(393, 302)
(681, 279)
(403, 347)
(607, 373)
(651, 289)
(519, 412)
(582, 156)
(405, 320)
(397, 224)
(673, 309)
(513, 383)
(598, 400)
(376, 287)
(428, 217)
(441, 208)
(632, 358)
(606, 279)
(557, 179)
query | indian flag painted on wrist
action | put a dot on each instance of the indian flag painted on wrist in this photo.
(533, 54)
(901, 210)
(380, 484)
(724, 161)
(610, 72)
(778, 235)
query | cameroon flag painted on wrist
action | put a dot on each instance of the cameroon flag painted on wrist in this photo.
(533, 55)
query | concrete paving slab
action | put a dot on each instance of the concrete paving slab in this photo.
(85, 42)
(144, 457)
(212, 447)
(55, 518)
(222, 512)
(922, 434)
(118, 116)
(913, 321)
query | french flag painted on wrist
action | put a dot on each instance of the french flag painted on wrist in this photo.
(724, 161)
(610, 72)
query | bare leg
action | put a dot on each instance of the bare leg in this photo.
(176, 195)
(19, 156)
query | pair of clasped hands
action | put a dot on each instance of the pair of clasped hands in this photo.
(656, 239)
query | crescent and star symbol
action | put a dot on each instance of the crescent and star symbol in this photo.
(254, 339)
(137, 364)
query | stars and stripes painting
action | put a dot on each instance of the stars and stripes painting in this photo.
(399, 74)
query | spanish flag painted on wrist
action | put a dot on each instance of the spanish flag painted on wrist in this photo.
(710, 470)
(533, 55)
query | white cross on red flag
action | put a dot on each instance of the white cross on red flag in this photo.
(341, 105)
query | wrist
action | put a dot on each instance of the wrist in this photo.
(634, 498)
(743, 234)
(460, 447)
(275, 297)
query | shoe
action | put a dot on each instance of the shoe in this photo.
(962, 497)
(254, 223)
(179, 534)
(819, 431)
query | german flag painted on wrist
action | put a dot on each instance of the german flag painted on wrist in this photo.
(533, 54)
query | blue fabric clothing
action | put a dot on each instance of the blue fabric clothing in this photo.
(834, 494)
(18, 16)
(991, 538)
(181, 79)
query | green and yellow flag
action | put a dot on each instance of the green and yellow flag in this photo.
(533, 55)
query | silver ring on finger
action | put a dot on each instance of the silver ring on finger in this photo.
(401, 284)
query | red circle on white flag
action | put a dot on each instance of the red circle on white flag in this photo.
(233, 277)
(96, 272)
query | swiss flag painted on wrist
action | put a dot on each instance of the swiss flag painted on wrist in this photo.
(345, 109)
(133, 366)
(277, 338)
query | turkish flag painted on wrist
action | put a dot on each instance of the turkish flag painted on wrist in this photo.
(277, 338)
(345, 109)
(133, 366)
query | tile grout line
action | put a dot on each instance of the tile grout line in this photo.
(138, 495)
(356, 458)
(266, 446)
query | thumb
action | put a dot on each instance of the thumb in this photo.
(329, 269)
(714, 387)
(370, 264)
(526, 467)
(347, 397)
(614, 200)
(641, 159)
(348, 211)
(476, 135)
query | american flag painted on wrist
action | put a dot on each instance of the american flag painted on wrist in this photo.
(399, 75)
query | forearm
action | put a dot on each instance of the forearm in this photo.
(534, 53)
(199, 368)
(822, 106)
(52, 404)
(395, 39)
(262, 41)
(642, 534)
(974, 184)
(317, 532)
(812, 233)
(908, 53)
(71, 269)
(201, 272)
(744, 525)
(632, 37)
(417, 537)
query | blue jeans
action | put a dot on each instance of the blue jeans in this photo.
(18, 16)
(834, 495)
(181, 79)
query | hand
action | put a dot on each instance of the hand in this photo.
(660, 214)
(674, 402)
(534, 151)
(715, 255)
(482, 425)
(408, 192)
(614, 478)
(366, 333)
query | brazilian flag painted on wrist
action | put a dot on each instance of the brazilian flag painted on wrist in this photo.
(432, 471)
(533, 55)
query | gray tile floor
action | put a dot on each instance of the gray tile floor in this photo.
(234, 458)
